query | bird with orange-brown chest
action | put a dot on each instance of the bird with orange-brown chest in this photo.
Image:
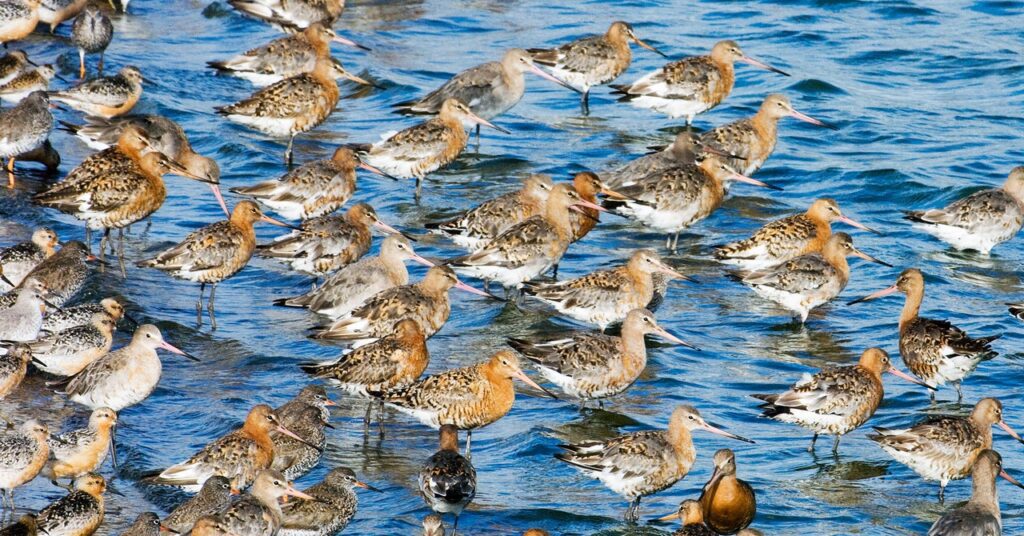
(944, 448)
(214, 253)
(934, 350)
(107, 96)
(424, 148)
(313, 189)
(591, 61)
(289, 107)
(17, 19)
(836, 400)
(787, 238)
(728, 503)
(13, 366)
(753, 139)
(476, 227)
(691, 516)
(426, 302)
(643, 463)
(238, 456)
(327, 243)
(83, 450)
(692, 85)
(468, 397)
(588, 185)
(79, 513)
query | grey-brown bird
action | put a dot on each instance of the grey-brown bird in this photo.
(327, 508)
(146, 524)
(213, 497)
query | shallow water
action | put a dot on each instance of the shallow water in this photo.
(928, 96)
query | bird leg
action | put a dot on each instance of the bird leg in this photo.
(81, 63)
(100, 66)
(113, 448)
(380, 419)
(88, 239)
(959, 392)
(933, 397)
(288, 151)
(209, 308)
(469, 441)
(554, 271)
(455, 526)
(10, 172)
(120, 252)
(813, 441)
(942, 493)
(103, 246)
(199, 305)
(419, 188)
(675, 242)
(633, 512)
(835, 444)
(585, 102)
(366, 419)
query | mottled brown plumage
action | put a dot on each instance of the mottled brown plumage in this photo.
(78, 513)
(107, 97)
(447, 482)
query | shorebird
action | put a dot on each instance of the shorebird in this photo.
(18, 18)
(311, 190)
(728, 504)
(258, 512)
(83, 450)
(588, 186)
(214, 253)
(82, 315)
(467, 398)
(809, 280)
(29, 81)
(981, 514)
(945, 448)
(292, 106)
(683, 150)
(692, 85)
(107, 97)
(605, 297)
(489, 89)
(433, 525)
(293, 15)
(239, 456)
(691, 516)
(447, 481)
(530, 247)
(79, 513)
(23, 453)
(979, 221)
(676, 198)
(591, 61)
(157, 133)
(55, 12)
(115, 188)
(213, 497)
(45, 154)
(306, 415)
(18, 260)
(426, 302)
(22, 321)
(752, 140)
(13, 365)
(934, 350)
(146, 524)
(26, 526)
(331, 505)
(393, 361)
(209, 525)
(125, 376)
(643, 463)
(285, 57)
(24, 128)
(67, 352)
(327, 243)
(348, 288)
(787, 238)
(91, 33)
(836, 400)
(426, 147)
(474, 228)
(12, 64)
(63, 273)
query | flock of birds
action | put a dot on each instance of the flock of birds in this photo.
(512, 240)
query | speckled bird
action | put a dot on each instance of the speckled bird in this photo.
(788, 238)
(82, 315)
(66, 353)
(13, 366)
(258, 512)
(55, 12)
(18, 260)
(21, 86)
(292, 15)
(692, 85)
(836, 400)
(83, 450)
(591, 61)
(934, 350)
(447, 482)
(334, 506)
(348, 288)
(63, 273)
(23, 453)
(944, 448)
(23, 128)
(12, 64)
(145, 524)
(213, 497)
(683, 150)
(18, 18)
(79, 513)
(980, 221)
(107, 96)
(91, 33)
(307, 415)
(639, 464)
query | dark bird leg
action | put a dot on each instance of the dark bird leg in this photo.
(585, 102)
(380, 419)
(100, 66)
(366, 419)
(120, 252)
(835, 444)
(469, 441)
(455, 526)
(199, 305)
(103, 246)
(88, 239)
(942, 493)
(813, 441)
(288, 151)
(959, 392)
(209, 308)
(633, 512)
(113, 448)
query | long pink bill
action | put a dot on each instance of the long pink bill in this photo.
(668, 336)
(296, 493)
(372, 169)
(462, 286)
(348, 42)
(421, 260)
(1007, 429)
(884, 292)
(389, 229)
(220, 199)
(668, 270)
(739, 177)
(364, 485)
(521, 376)
(278, 223)
(751, 61)
(648, 47)
(719, 431)
(857, 224)
(1010, 479)
(808, 119)
(481, 121)
(544, 74)
(289, 433)
(865, 256)
(174, 350)
(669, 517)
(900, 374)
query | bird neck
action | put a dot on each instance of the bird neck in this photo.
(911, 307)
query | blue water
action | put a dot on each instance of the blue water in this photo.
(928, 96)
